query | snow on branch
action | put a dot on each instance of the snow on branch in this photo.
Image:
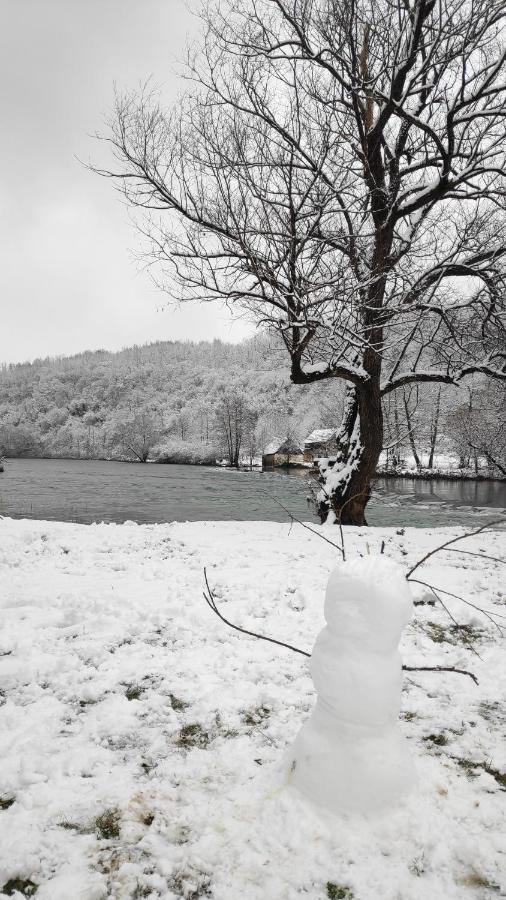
(440, 377)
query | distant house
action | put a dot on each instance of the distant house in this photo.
(283, 453)
(321, 442)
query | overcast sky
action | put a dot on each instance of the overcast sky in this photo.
(67, 278)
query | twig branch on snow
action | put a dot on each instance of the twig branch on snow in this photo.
(490, 614)
(211, 602)
(479, 555)
(453, 541)
(440, 669)
(294, 518)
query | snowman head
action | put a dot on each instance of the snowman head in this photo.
(368, 602)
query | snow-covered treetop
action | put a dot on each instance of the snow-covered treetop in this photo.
(320, 436)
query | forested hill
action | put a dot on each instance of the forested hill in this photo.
(164, 397)
(188, 402)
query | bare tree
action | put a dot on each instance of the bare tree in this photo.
(137, 434)
(434, 427)
(16, 440)
(412, 418)
(253, 444)
(235, 423)
(409, 401)
(479, 427)
(336, 168)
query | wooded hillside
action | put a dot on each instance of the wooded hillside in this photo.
(163, 397)
(181, 401)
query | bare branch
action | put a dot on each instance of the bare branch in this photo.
(211, 602)
(460, 537)
(440, 669)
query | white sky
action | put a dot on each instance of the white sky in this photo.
(67, 278)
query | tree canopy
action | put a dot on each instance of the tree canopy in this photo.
(336, 169)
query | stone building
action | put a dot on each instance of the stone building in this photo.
(321, 442)
(283, 453)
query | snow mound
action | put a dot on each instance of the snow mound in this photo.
(350, 755)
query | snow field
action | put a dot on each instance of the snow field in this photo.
(143, 743)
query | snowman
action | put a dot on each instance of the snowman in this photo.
(350, 755)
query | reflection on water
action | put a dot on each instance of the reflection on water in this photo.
(467, 492)
(96, 491)
(413, 501)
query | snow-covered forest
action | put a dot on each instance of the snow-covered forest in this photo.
(164, 401)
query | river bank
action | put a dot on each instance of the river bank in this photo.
(437, 475)
(449, 473)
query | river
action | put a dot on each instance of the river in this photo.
(99, 491)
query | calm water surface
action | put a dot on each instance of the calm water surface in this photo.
(97, 491)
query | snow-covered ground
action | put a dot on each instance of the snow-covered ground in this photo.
(143, 742)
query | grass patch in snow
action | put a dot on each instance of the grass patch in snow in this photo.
(191, 885)
(141, 891)
(177, 704)
(500, 777)
(6, 802)
(338, 891)
(20, 885)
(67, 825)
(438, 740)
(475, 879)
(256, 715)
(491, 710)
(134, 692)
(224, 730)
(453, 634)
(417, 866)
(435, 631)
(107, 824)
(78, 827)
(470, 767)
(193, 735)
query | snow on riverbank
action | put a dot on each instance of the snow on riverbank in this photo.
(142, 741)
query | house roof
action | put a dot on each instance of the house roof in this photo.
(271, 448)
(286, 446)
(289, 446)
(320, 436)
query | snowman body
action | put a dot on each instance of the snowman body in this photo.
(350, 755)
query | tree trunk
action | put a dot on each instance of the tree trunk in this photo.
(346, 480)
(493, 462)
(434, 430)
(411, 436)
